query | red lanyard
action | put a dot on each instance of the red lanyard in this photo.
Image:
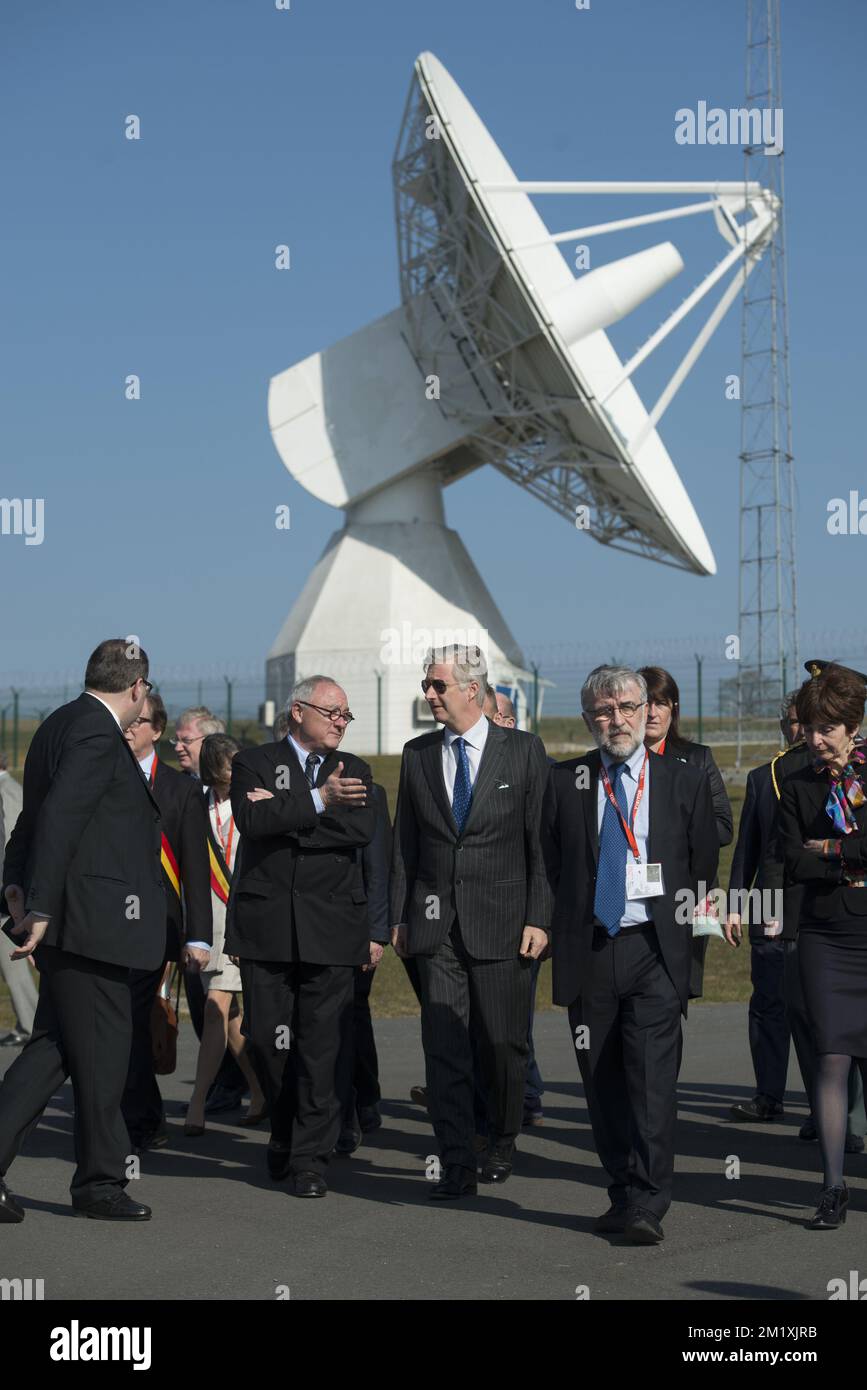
(153, 769)
(627, 829)
(226, 847)
(661, 749)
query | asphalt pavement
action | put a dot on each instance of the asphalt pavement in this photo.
(221, 1229)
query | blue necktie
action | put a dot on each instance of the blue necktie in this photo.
(463, 792)
(610, 901)
(310, 767)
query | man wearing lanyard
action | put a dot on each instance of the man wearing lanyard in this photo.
(631, 844)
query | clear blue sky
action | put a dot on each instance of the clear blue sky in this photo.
(261, 127)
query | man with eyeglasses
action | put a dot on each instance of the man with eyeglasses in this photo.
(298, 920)
(631, 846)
(83, 883)
(191, 727)
(187, 880)
(470, 902)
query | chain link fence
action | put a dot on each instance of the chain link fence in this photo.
(706, 676)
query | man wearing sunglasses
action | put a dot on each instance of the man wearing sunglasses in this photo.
(470, 901)
(298, 920)
(83, 883)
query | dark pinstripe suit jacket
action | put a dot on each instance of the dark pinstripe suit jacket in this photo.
(492, 876)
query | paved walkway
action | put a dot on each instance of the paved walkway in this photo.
(221, 1229)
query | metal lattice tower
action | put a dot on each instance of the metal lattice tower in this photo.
(767, 602)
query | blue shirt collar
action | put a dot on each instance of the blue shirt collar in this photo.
(633, 763)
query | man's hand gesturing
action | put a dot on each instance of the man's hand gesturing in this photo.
(338, 790)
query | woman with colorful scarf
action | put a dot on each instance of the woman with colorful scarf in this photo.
(823, 822)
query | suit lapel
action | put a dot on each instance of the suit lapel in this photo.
(657, 773)
(432, 766)
(492, 758)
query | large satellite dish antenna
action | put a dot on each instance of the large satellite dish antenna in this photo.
(498, 354)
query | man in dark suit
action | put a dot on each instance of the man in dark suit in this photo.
(470, 901)
(298, 920)
(82, 880)
(187, 881)
(631, 846)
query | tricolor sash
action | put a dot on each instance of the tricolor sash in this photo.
(168, 858)
(221, 874)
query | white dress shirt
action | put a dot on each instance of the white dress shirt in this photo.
(474, 740)
(303, 755)
(636, 908)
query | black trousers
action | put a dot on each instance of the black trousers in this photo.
(310, 1008)
(466, 1000)
(358, 1064)
(82, 1030)
(631, 1011)
(769, 1031)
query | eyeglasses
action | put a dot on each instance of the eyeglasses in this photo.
(186, 741)
(332, 714)
(439, 686)
(147, 684)
(607, 712)
(137, 722)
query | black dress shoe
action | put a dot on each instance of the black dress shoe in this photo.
(348, 1141)
(854, 1144)
(455, 1182)
(224, 1098)
(831, 1211)
(369, 1118)
(758, 1110)
(279, 1161)
(612, 1222)
(808, 1132)
(642, 1228)
(309, 1185)
(497, 1163)
(14, 1039)
(10, 1210)
(116, 1208)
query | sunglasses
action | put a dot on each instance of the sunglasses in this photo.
(439, 686)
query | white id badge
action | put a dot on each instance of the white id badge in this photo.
(644, 880)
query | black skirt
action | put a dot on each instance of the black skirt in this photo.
(832, 957)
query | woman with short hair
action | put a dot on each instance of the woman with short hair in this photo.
(823, 824)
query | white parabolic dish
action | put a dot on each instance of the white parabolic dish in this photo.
(646, 489)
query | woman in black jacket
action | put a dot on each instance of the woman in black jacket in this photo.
(662, 735)
(823, 828)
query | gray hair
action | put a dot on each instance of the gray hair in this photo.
(787, 704)
(468, 664)
(208, 722)
(610, 680)
(302, 690)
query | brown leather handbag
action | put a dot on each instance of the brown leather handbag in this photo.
(164, 1024)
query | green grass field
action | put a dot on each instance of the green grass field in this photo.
(727, 971)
